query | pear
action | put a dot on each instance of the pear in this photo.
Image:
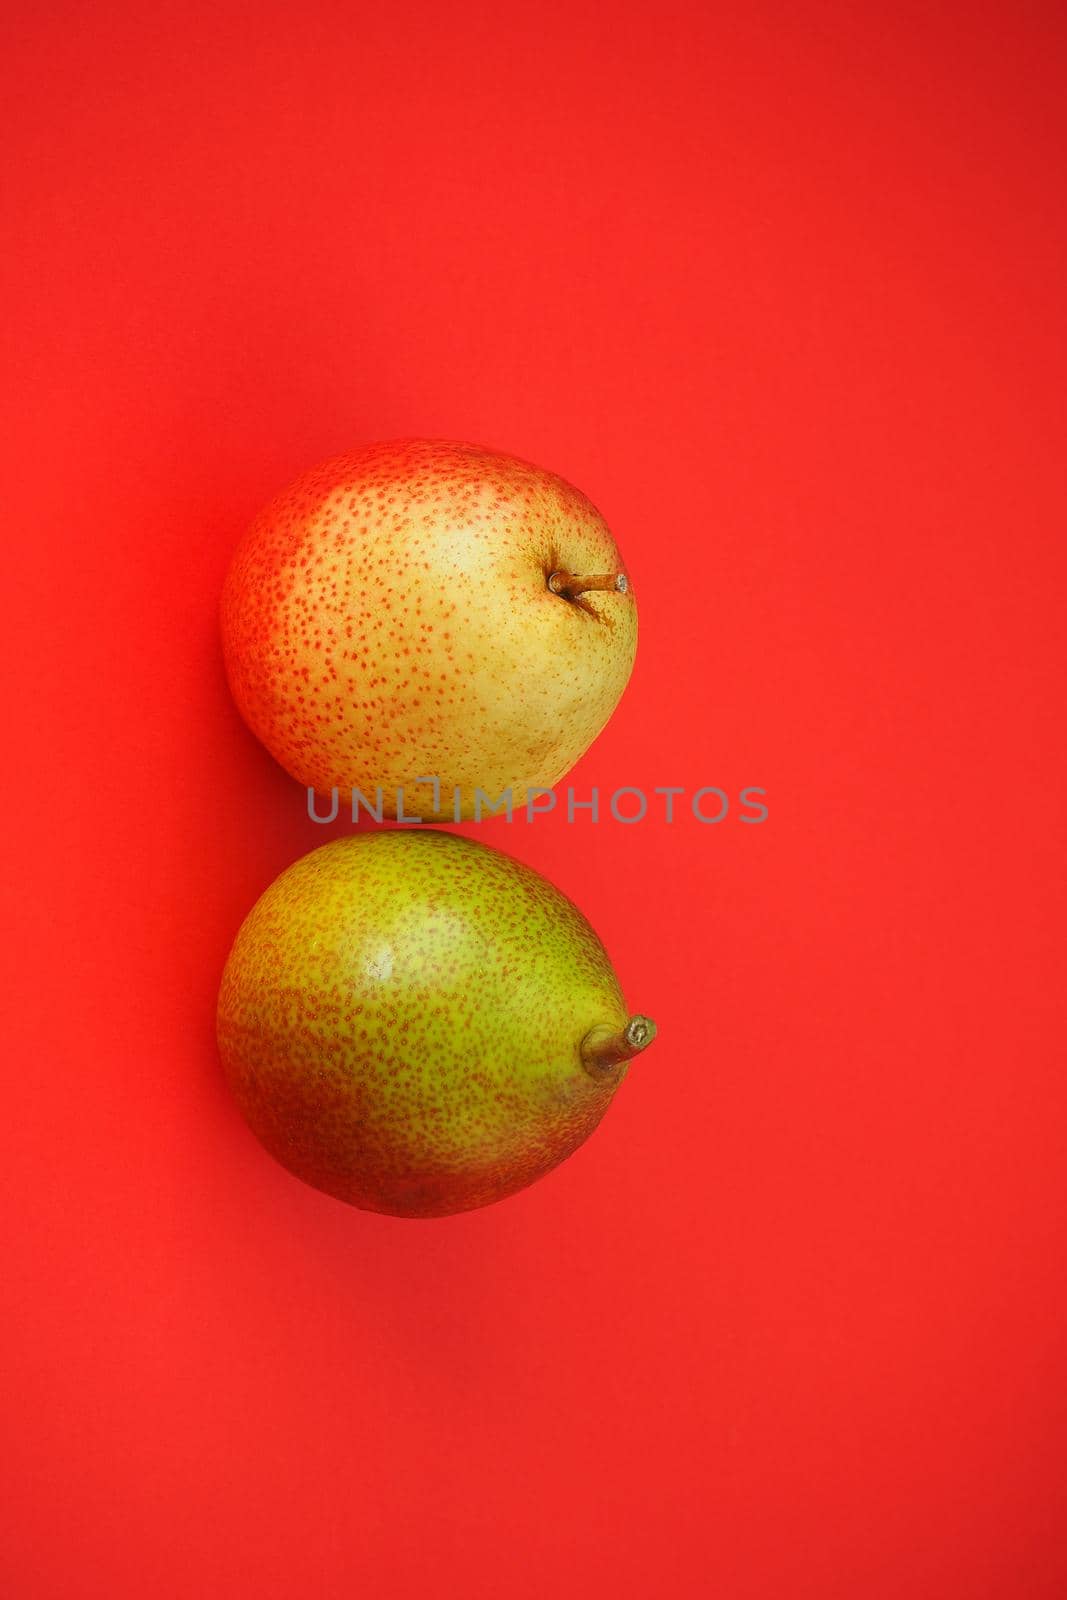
(420, 1025)
(428, 610)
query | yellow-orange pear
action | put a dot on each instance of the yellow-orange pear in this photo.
(424, 609)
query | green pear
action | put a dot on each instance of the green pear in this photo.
(425, 609)
(418, 1024)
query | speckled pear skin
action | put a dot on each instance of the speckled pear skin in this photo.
(400, 1020)
(387, 618)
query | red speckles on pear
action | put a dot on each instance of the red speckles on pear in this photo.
(388, 616)
(400, 1020)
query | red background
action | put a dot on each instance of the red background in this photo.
(782, 289)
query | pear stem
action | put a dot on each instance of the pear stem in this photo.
(604, 1048)
(570, 586)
